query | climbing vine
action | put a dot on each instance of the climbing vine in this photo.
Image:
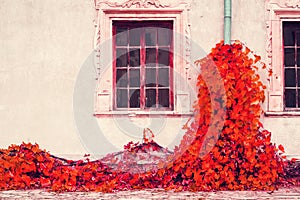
(232, 153)
(243, 157)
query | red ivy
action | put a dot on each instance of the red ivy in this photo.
(243, 157)
(240, 157)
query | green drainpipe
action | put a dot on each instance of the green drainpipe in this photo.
(227, 21)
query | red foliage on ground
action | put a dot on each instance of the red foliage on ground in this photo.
(225, 146)
(28, 167)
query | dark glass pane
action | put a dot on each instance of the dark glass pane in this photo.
(122, 37)
(164, 37)
(134, 57)
(134, 96)
(134, 37)
(150, 98)
(298, 57)
(122, 79)
(290, 78)
(122, 98)
(150, 36)
(298, 76)
(150, 77)
(289, 57)
(288, 34)
(163, 57)
(163, 97)
(134, 75)
(290, 98)
(298, 36)
(298, 99)
(121, 58)
(163, 77)
(150, 57)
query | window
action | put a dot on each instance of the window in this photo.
(143, 64)
(142, 58)
(291, 47)
(283, 57)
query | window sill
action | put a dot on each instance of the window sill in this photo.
(283, 114)
(128, 113)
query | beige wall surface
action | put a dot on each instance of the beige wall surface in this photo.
(285, 131)
(44, 44)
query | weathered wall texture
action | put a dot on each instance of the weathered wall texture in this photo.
(44, 44)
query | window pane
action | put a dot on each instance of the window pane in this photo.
(298, 99)
(289, 57)
(134, 57)
(298, 57)
(134, 96)
(122, 37)
(298, 37)
(288, 34)
(298, 76)
(163, 77)
(164, 37)
(150, 57)
(142, 62)
(151, 77)
(122, 58)
(290, 78)
(122, 79)
(134, 75)
(122, 98)
(150, 98)
(134, 37)
(163, 57)
(163, 97)
(290, 98)
(150, 36)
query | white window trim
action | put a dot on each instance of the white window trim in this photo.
(278, 11)
(106, 12)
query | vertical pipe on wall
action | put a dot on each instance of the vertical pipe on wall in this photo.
(227, 21)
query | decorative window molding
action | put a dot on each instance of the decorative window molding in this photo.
(278, 11)
(132, 3)
(139, 10)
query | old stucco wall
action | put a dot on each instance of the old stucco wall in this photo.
(43, 44)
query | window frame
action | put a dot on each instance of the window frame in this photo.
(296, 67)
(144, 24)
(139, 10)
(277, 12)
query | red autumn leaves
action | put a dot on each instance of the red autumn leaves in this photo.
(242, 156)
(28, 167)
(225, 146)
